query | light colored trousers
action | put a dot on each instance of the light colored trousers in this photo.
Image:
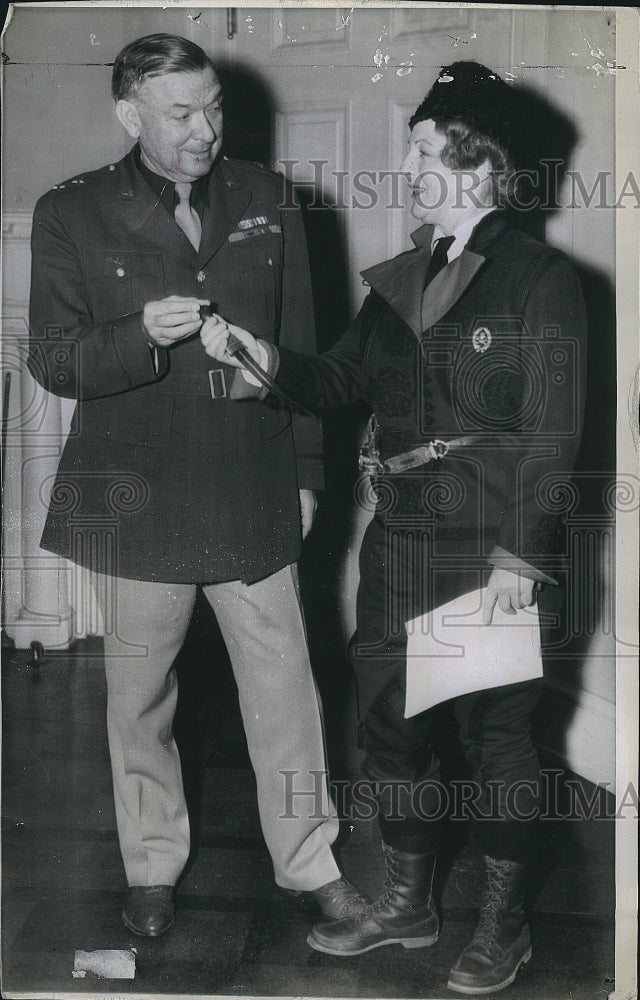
(263, 628)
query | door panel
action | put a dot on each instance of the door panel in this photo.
(344, 84)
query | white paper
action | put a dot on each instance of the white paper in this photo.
(450, 651)
(105, 964)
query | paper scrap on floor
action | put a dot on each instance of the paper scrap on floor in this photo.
(450, 651)
(105, 964)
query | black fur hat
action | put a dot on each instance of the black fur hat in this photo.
(478, 98)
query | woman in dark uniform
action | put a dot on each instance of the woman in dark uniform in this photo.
(470, 349)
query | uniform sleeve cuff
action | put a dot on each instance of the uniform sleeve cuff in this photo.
(310, 473)
(244, 385)
(132, 345)
(502, 559)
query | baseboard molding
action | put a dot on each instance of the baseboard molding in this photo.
(580, 732)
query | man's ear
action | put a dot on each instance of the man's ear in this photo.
(127, 115)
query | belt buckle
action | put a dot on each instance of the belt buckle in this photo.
(369, 464)
(438, 448)
(217, 383)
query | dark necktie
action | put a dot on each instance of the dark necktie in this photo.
(439, 258)
(186, 216)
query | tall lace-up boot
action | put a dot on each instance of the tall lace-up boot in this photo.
(502, 942)
(405, 913)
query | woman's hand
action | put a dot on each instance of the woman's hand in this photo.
(219, 338)
(510, 591)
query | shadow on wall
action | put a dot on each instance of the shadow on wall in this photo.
(323, 561)
(546, 140)
(248, 114)
(587, 616)
(585, 613)
(249, 108)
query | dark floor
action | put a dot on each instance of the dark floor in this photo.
(63, 880)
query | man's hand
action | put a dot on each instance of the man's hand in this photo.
(510, 591)
(308, 506)
(172, 319)
(215, 335)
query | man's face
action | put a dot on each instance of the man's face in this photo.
(440, 195)
(178, 120)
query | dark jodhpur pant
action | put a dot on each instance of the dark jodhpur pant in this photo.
(503, 794)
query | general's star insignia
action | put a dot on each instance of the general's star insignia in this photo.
(481, 339)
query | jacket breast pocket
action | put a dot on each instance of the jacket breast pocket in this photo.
(250, 281)
(121, 282)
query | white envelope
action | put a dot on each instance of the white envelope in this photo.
(450, 652)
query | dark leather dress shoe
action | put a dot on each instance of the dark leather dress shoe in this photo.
(149, 910)
(336, 900)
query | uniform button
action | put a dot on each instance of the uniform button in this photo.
(112, 166)
(120, 272)
(270, 262)
(200, 276)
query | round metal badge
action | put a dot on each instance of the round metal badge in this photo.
(481, 339)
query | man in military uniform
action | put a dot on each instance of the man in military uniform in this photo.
(470, 349)
(164, 483)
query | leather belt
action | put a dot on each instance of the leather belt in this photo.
(370, 463)
(425, 453)
(211, 384)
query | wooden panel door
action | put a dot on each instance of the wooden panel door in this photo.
(343, 84)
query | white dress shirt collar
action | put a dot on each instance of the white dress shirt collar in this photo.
(461, 235)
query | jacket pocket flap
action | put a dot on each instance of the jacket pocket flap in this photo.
(121, 264)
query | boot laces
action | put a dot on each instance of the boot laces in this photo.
(496, 891)
(391, 888)
(388, 888)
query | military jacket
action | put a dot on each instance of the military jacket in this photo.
(162, 476)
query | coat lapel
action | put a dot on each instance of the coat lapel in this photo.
(447, 287)
(144, 214)
(228, 200)
(401, 281)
